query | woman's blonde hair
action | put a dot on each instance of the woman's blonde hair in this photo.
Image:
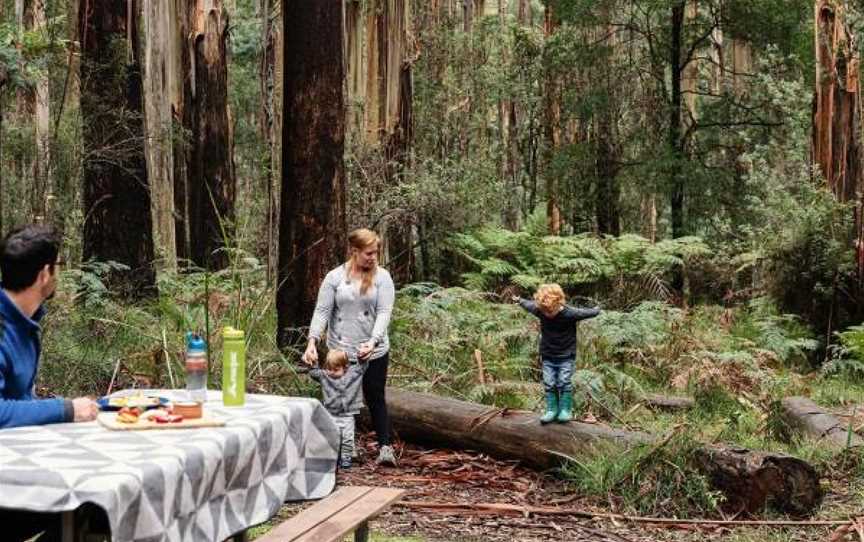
(336, 359)
(361, 239)
(549, 298)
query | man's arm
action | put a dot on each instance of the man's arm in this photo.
(17, 413)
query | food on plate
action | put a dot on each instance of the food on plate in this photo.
(128, 415)
(168, 418)
(151, 414)
(139, 401)
(188, 409)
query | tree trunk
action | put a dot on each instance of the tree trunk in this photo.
(271, 88)
(355, 70)
(675, 143)
(552, 127)
(467, 15)
(158, 43)
(507, 159)
(116, 196)
(750, 479)
(805, 415)
(608, 189)
(399, 132)
(649, 216)
(524, 12)
(385, 83)
(312, 222)
(42, 174)
(837, 116)
(211, 181)
(742, 65)
(607, 148)
(182, 94)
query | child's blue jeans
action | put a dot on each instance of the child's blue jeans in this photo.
(558, 374)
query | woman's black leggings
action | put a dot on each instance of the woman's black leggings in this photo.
(374, 382)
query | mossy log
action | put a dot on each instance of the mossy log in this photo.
(751, 479)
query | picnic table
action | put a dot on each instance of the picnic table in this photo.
(179, 484)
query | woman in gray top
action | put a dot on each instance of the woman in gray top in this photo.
(355, 302)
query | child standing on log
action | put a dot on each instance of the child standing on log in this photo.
(557, 347)
(341, 380)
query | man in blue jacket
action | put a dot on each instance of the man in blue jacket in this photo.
(28, 264)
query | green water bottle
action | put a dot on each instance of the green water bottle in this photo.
(233, 367)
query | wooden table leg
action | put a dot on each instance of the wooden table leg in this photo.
(362, 532)
(68, 525)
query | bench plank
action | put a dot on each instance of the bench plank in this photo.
(339, 525)
(315, 514)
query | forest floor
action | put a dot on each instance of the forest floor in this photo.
(466, 478)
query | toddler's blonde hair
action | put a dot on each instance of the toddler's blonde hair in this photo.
(550, 298)
(336, 359)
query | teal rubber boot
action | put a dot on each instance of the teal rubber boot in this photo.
(565, 410)
(551, 408)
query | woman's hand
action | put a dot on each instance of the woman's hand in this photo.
(310, 356)
(365, 349)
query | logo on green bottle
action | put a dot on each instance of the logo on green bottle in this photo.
(232, 372)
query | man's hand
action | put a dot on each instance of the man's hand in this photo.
(85, 409)
(365, 350)
(310, 356)
(514, 298)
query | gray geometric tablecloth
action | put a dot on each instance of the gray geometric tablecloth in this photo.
(176, 484)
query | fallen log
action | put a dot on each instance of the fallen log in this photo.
(805, 415)
(651, 400)
(753, 479)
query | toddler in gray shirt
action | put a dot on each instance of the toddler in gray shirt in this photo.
(341, 380)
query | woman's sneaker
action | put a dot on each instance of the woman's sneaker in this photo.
(386, 457)
(345, 463)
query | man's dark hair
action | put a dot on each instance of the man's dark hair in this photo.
(24, 252)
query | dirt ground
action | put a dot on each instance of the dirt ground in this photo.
(464, 478)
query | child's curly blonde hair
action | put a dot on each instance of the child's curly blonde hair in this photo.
(550, 298)
(335, 360)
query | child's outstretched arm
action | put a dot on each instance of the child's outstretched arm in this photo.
(582, 313)
(527, 304)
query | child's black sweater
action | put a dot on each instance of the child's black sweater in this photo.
(558, 334)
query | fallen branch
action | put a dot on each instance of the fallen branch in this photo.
(514, 509)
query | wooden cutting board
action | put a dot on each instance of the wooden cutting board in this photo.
(109, 420)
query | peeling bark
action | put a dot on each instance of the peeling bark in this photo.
(837, 115)
(382, 80)
(157, 25)
(211, 172)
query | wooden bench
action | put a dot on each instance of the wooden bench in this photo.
(348, 509)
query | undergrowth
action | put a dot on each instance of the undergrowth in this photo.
(646, 480)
